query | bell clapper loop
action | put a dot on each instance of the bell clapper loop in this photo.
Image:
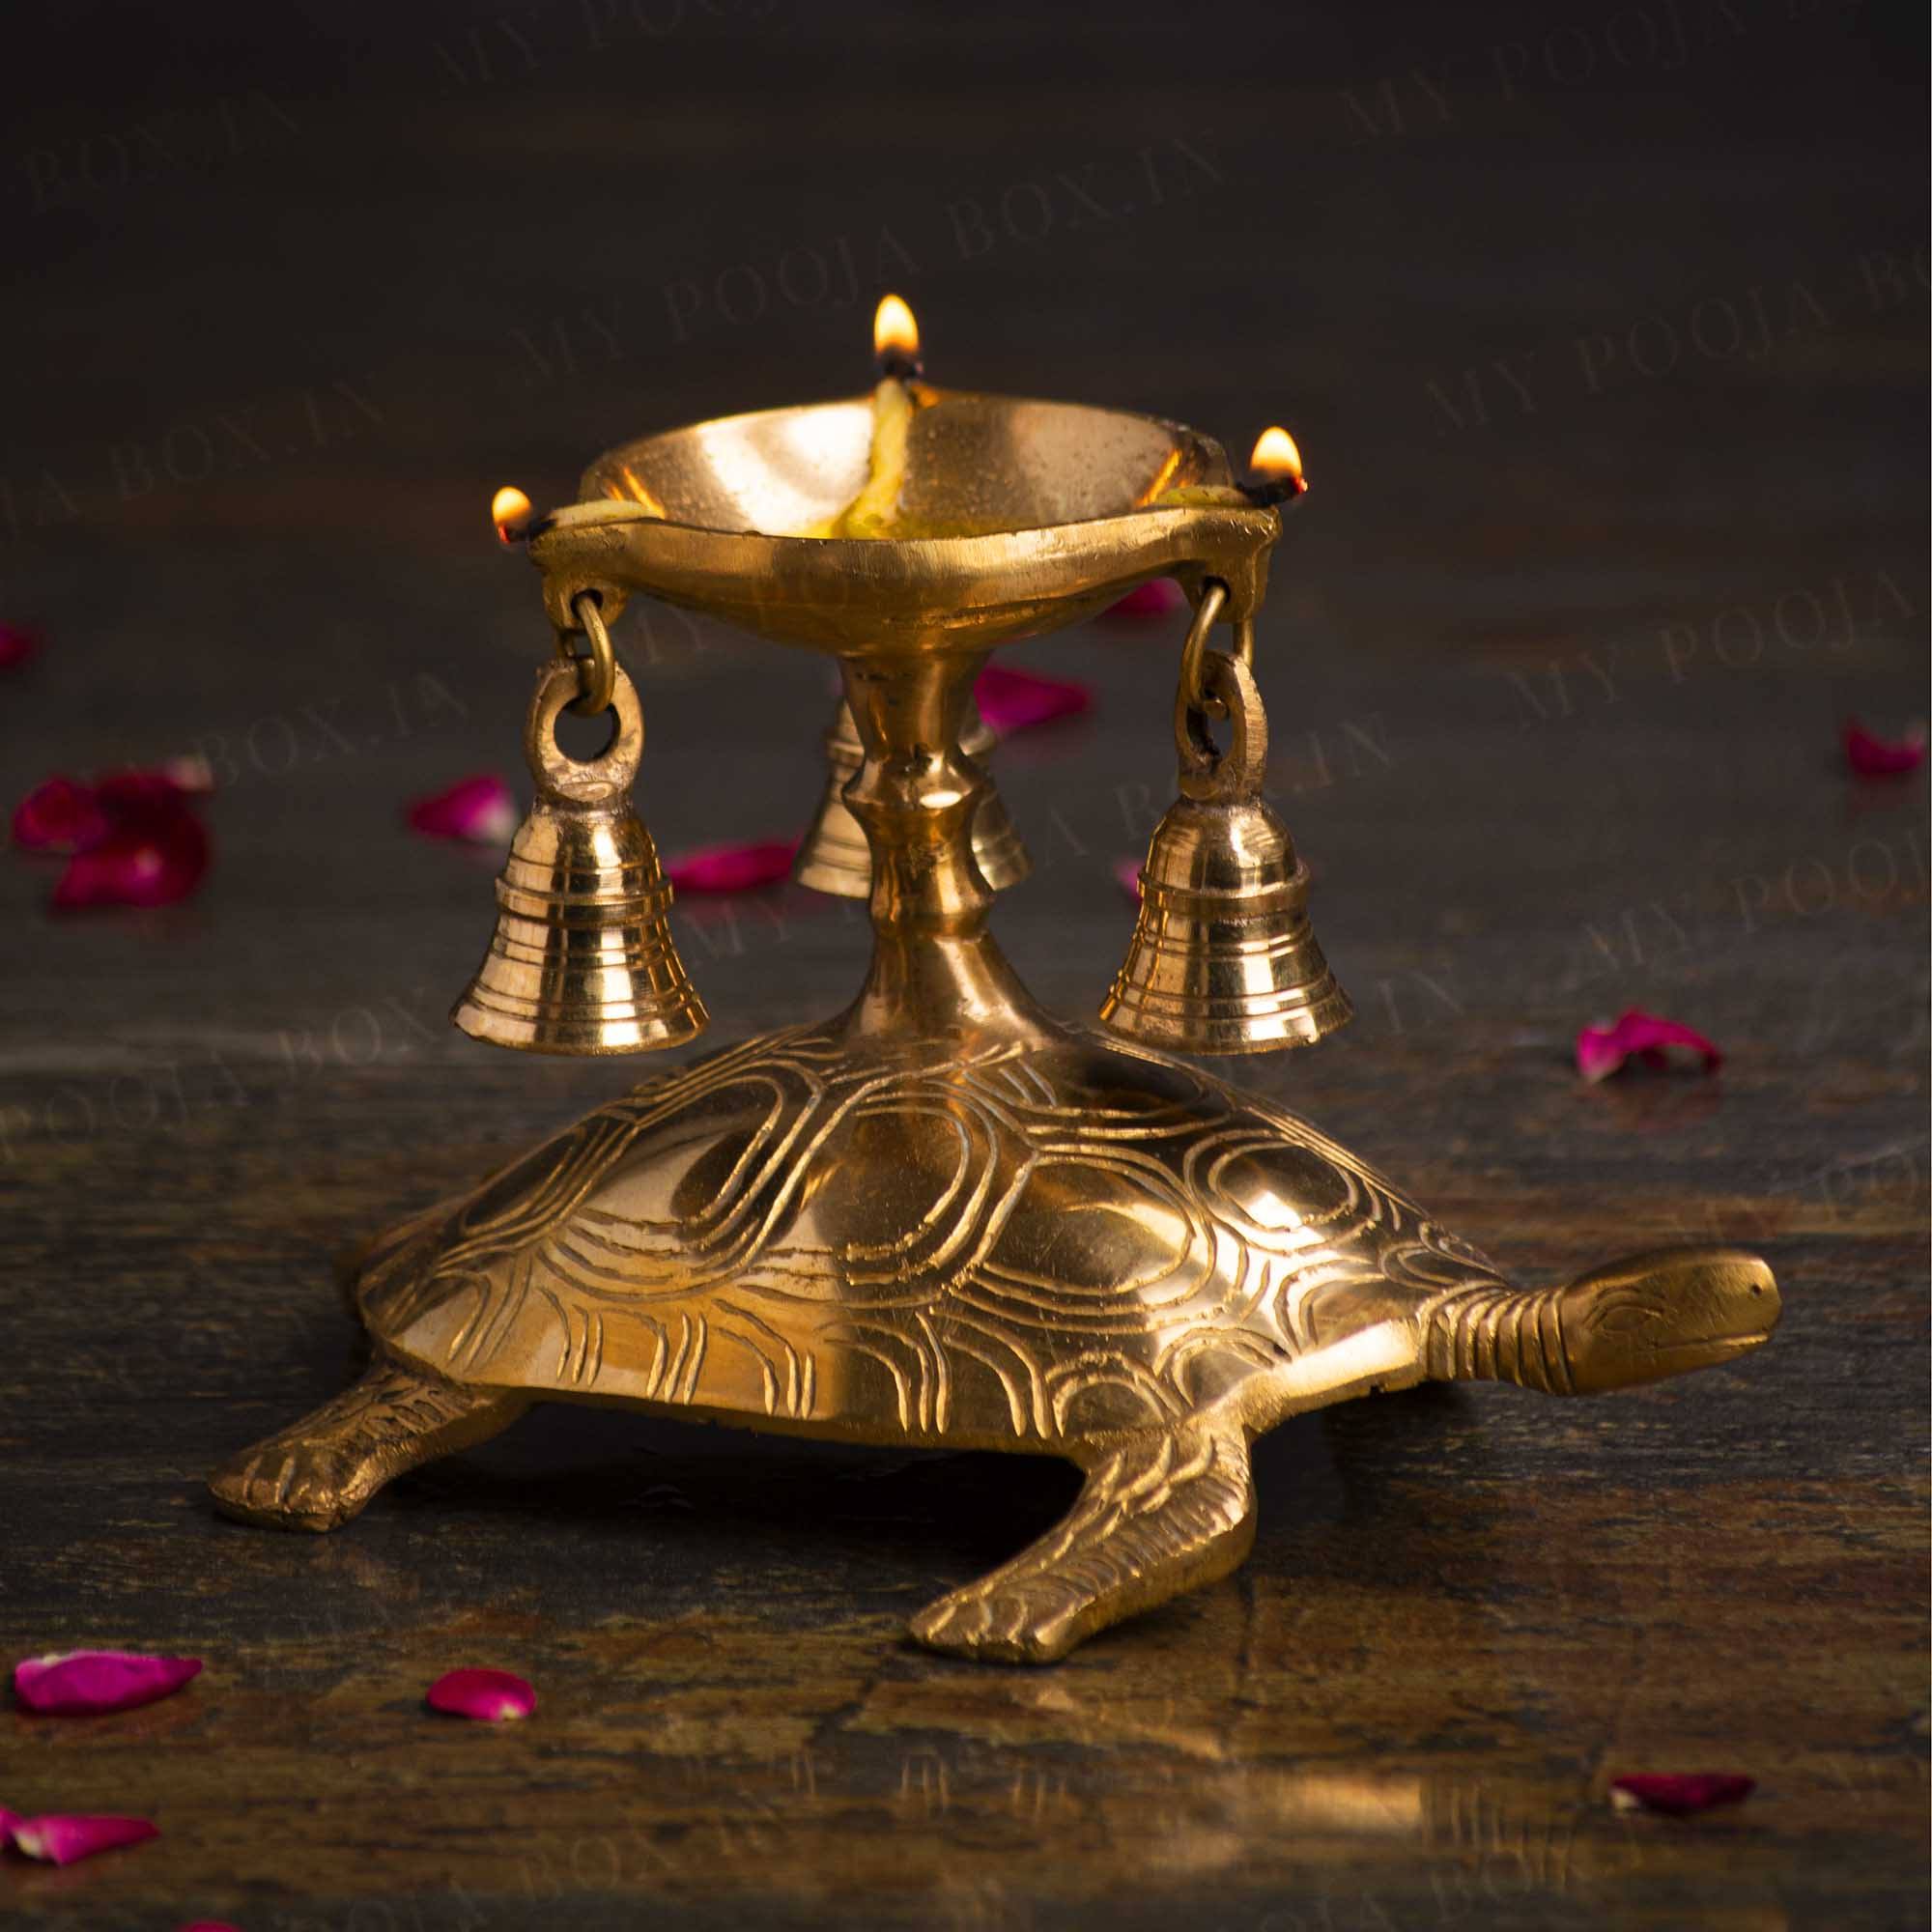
(580, 782)
(596, 671)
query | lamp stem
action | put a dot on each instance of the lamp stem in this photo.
(936, 970)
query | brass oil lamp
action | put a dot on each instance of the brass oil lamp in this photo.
(944, 1216)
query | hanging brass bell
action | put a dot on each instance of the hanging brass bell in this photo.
(834, 856)
(1223, 959)
(582, 960)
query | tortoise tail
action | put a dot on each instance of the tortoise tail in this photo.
(1636, 1321)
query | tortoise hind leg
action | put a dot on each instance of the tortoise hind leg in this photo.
(320, 1471)
(1159, 1514)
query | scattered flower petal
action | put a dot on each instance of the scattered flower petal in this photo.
(488, 1696)
(134, 834)
(1158, 597)
(59, 1839)
(1601, 1049)
(1598, 1053)
(1680, 1794)
(1017, 700)
(18, 645)
(1874, 758)
(59, 815)
(732, 868)
(1127, 871)
(480, 810)
(80, 1681)
(147, 860)
(140, 792)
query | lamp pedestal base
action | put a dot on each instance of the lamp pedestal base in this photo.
(1046, 1244)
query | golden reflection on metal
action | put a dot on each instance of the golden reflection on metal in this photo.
(581, 960)
(833, 857)
(945, 1218)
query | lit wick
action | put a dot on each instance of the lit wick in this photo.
(510, 510)
(895, 342)
(875, 510)
(1275, 469)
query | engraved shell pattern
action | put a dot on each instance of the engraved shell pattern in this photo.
(1083, 1255)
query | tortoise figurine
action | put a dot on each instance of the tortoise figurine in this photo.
(1050, 1243)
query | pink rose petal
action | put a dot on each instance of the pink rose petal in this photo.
(59, 815)
(18, 645)
(486, 1697)
(732, 868)
(147, 860)
(1680, 1794)
(1874, 758)
(1601, 1049)
(60, 1839)
(480, 810)
(1158, 597)
(1600, 1052)
(134, 835)
(1017, 700)
(1128, 872)
(80, 1681)
(150, 792)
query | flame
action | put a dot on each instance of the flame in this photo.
(1275, 455)
(893, 327)
(509, 510)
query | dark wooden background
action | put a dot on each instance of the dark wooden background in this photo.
(1603, 331)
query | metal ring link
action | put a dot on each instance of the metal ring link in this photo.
(1195, 694)
(1193, 653)
(597, 670)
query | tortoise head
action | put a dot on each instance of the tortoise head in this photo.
(1664, 1312)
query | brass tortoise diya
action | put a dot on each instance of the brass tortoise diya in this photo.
(944, 1217)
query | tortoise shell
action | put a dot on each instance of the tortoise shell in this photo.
(1100, 1239)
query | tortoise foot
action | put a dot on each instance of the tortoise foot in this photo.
(322, 1470)
(1017, 1623)
(1157, 1516)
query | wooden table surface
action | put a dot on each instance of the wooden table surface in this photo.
(1608, 352)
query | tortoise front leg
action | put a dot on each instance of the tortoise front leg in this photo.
(1159, 1514)
(320, 1471)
